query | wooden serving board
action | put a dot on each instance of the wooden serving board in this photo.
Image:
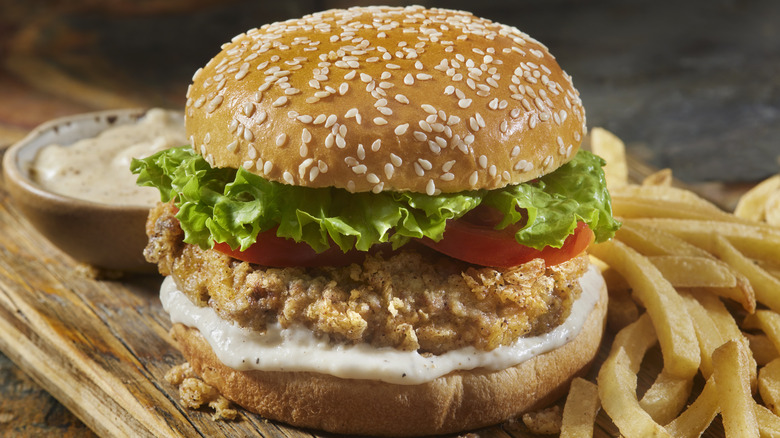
(102, 347)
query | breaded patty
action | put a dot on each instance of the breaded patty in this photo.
(410, 299)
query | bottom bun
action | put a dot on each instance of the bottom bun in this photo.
(458, 401)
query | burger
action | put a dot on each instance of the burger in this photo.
(380, 224)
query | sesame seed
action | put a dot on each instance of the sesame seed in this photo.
(447, 176)
(372, 178)
(360, 169)
(280, 101)
(401, 129)
(231, 147)
(352, 112)
(482, 161)
(340, 142)
(385, 110)
(401, 98)
(331, 120)
(422, 77)
(267, 167)
(214, 103)
(389, 170)
(464, 103)
(380, 121)
(409, 79)
(430, 188)
(288, 178)
(492, 170)
(473, 179)
(480, 120)
(305, 119)
(303, 167)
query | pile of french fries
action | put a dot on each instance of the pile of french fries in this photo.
(703, 285)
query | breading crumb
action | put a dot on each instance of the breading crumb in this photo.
(194, 393)
(544, 422)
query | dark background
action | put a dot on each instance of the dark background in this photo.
(689, 85)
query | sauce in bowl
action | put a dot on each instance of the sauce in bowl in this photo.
(97, 169)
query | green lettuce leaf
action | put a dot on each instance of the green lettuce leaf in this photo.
(233, 206)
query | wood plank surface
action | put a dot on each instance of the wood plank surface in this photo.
(102, 347)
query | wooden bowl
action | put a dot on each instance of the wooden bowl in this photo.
(109, 237)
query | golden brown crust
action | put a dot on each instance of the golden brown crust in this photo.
(397, 104)
(459, 401)
(410, 299)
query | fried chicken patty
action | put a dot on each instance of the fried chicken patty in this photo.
(411, 299)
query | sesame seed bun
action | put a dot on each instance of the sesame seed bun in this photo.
(458, 401)
(381, 98)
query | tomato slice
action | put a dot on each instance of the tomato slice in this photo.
(486, 246)
(274, 251)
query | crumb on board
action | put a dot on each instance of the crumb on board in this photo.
(194, 393)
(544, 422)
(88, 271)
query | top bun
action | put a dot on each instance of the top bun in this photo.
(385, 98)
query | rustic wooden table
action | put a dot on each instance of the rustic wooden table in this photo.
(693, 86)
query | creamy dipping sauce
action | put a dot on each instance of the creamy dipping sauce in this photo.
(98, 169)
(297, 349)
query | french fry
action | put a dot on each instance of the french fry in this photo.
(707, 332)
(726, 324)
(758, 241)
(772, 267)
(632, 207)
(676, 195)
(662, 177)
(666, 397)
(768, 422)
(769, 385)
(716, 310)
(768, 322)
(617, 381)
(686, 271)
(765, 286)
(699, 415)
(579, 412)
(664, 305)
(654, 242)
(752, 204)
(611, 148)
(763, 349)
(732, 379)
(742, 293)
(621, 308)
(651, 241)
(772, 209)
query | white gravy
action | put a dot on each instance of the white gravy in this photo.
(297, 349)
(98, 169)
